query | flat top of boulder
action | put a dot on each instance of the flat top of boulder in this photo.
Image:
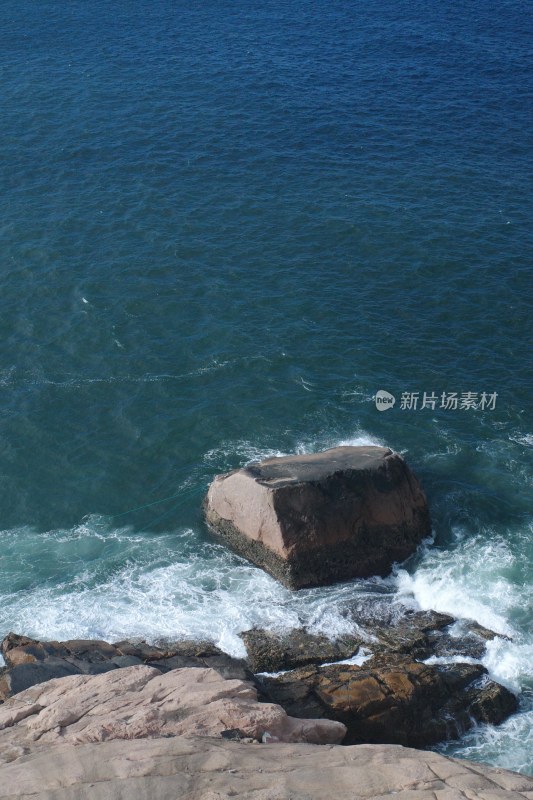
(282, 470)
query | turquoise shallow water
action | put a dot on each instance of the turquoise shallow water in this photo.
(224, 228)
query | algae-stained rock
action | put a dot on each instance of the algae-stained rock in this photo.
(315, 519)
(393, 699)
(271, 652)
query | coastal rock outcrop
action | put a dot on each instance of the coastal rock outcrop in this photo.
(383, 695)
(387, 693)
(29, 661)
(209, 769)
(139, 702)
(136, 732)
(316, 519)
(272, 652)
(417, 634)
(394, 699)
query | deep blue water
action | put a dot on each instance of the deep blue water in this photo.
(224, 227)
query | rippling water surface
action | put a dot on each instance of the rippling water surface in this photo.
(224, 227)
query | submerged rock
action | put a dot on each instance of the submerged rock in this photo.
(315, 519)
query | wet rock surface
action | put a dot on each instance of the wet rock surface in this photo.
(392, 696)
(394, 699)
(271, 652)
(418, 634)
(319, 518)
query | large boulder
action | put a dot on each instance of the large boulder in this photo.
(315, 519)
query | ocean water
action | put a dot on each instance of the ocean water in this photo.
(224, 227)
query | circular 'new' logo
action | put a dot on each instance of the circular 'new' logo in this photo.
(384, 400)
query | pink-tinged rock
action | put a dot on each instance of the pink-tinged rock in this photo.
(139, 702)
(179, 768)
(315, 519)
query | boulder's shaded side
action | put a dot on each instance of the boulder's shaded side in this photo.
(29, 661)
(394, 699)
(139, 702)
(315, 519)
(208, 769)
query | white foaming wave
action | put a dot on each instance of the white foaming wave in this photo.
(459, 659)
(508, 745)
(525, 439)
(203, 593)
(466, 582)
(364, 654)
(325, 441)
(362, 440)
(243, 451)
(469, 582)
(509, 662)
(246, 452)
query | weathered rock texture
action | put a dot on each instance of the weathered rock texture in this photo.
(315, 519)
(417, 634)
(411, 703)
(29, 661)
(139, 702)
(394, 699)
(205, 769)
(272, 652)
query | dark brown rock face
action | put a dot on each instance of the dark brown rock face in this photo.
(315, 519)
(271, 652)
(30, 662)
(393, 699)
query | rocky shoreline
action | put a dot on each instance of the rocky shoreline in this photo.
(400, 679)
(179, 768)
(384, 685)
(73, 703)
(180, 720)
